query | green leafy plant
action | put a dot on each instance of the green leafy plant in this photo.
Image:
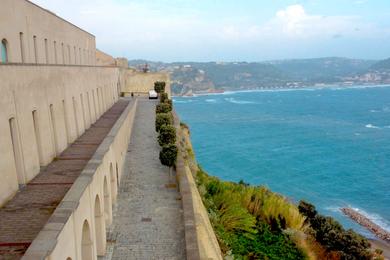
(168, 156)
(347, 244)
(246, 225)
(167, 135)
(163, 108)
(159, 86)
(163, 119)
(163, 97)
(169, 102)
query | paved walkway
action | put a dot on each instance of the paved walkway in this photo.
(23, 217)
(148, 220)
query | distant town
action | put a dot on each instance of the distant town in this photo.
(190, 78)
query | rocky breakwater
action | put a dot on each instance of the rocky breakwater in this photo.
(367, 223)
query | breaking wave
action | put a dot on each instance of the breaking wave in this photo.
(241, 102)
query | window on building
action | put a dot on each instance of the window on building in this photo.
(68, 54)
(4, 51)
(35, 49)
(81, 60)
(63, 53)
(75, 55)
(55, 52)
(17, 151)
(46, 51)
(22, 54)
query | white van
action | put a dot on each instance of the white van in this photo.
(153, 94)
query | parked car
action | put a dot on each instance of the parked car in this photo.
(153, 94)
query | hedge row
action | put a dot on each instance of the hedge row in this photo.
(165, 127)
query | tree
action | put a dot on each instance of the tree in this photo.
(167, 135)
(168, 156)
(163, 108)
(329, 233)
(163, 119)
(169, 102)
(163, 97)
(159, 86)
(307, 209)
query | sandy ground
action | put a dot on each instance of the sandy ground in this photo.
(382, 245)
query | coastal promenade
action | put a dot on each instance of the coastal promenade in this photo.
(148, 217)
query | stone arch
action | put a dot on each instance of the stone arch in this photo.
(114, 188)
(107, 202)
(86, 242)
(100, 229)
(4, 51)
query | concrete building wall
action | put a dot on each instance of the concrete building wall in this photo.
(43, 109)
(103, 59)
(35, 35)
(141, 83)
(88, 203)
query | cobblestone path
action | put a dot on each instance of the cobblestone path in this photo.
(148, 219)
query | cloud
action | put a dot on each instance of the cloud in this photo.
(360, 2)
(185, 30)
(293, 23)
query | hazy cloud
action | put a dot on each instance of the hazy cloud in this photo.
(176, 30)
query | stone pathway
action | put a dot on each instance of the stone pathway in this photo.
(148, 217)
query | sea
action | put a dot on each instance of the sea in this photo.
(329, 146)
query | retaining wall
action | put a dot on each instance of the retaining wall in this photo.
(201, 242)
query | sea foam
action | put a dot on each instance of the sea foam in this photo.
(240, 102)
(372, 126)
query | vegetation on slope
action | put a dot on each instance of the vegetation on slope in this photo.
(252, 222)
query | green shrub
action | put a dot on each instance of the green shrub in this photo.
(159, 86)
(242, 217)
(163, 97)
(163, 119)
(167, 135)
(329, 233)
(168, 155)
(163, 108)
(169, 102)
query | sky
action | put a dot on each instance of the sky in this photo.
(232, 30)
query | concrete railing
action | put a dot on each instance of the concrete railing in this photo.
(201, 242)
(76, 230)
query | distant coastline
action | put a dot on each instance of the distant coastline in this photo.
(274, 89)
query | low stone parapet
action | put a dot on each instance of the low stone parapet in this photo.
(201, 242)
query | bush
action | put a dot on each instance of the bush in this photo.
(159, 86)
(329, 233)
(167, 135)
(241, 216)
(169, 102)
(168, 155)
(163, 119)
(163, 108)
(163, 97)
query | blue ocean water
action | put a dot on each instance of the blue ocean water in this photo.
(329, 146)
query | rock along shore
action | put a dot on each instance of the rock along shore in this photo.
(367, 223)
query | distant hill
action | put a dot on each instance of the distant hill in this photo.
(197, 77)
(381, 65)
(322, 69)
